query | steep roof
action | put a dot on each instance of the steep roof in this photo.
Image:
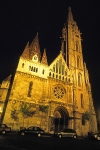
(44, 58)
(32, 49)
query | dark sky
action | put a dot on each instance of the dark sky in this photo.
(20, 20)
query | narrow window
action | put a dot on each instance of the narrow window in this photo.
(62, 69)
(30, 89)
(63, 78)
(54, 68)
(22, 65)
(43, 71)
(65, 73)
(29, 68)
(50, 74)
(36, 69)
(79, 80)
(56, 76)
(77, 46)
(78, 61)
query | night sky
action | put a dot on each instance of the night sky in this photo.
(20, 20)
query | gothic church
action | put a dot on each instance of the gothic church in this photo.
(58, 95)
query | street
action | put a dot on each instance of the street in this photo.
(16, 142)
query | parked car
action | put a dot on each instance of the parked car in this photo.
(94, 135)
(32, 130)
(4, 129)
(66, 133)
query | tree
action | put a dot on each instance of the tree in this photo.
(14, 115)
(86, 116)
(26, 111)
(43, 109)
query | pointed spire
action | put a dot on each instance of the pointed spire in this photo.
(35, 48)
(70, 16)
(44, 58)
(25, 53)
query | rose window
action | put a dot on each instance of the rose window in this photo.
(59, 92)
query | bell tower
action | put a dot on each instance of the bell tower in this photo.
(71, 43)
(74, 51)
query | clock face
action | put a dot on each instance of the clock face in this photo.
(59, 92)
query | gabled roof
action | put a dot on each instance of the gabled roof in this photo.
(32, 49)
(60, 56)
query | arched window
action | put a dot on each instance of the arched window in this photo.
(30, 89)
(43, 71)
(56, 76)
(59, 77)
(82, 101)
(32, 68)
(78, 61)
(79, 79)
(63, 69)
(54, 68)
(63, 78)
(50, 74)
(29, 68)
(77, 46)
(22, 65)
(65, 73)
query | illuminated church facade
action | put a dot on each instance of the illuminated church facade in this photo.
(59, 94)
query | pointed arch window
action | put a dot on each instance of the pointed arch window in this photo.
(22, 65)
(56, 76)
(50, 74)
(65, 73)
(29, 68)
(30, 89)
(60, 77)
(32, 68)
(82, 101)
(63, 69)
(77, 45)
(78, 61)
(63, 78)
(54, 68)
(43, 71)
(79, 79)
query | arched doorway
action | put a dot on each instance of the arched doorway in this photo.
(60, 118)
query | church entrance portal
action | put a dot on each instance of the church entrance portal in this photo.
(60, 118)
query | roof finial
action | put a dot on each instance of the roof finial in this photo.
(70, 16)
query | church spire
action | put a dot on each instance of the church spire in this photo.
(70, 16)
(44, 58)
(35, 48)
